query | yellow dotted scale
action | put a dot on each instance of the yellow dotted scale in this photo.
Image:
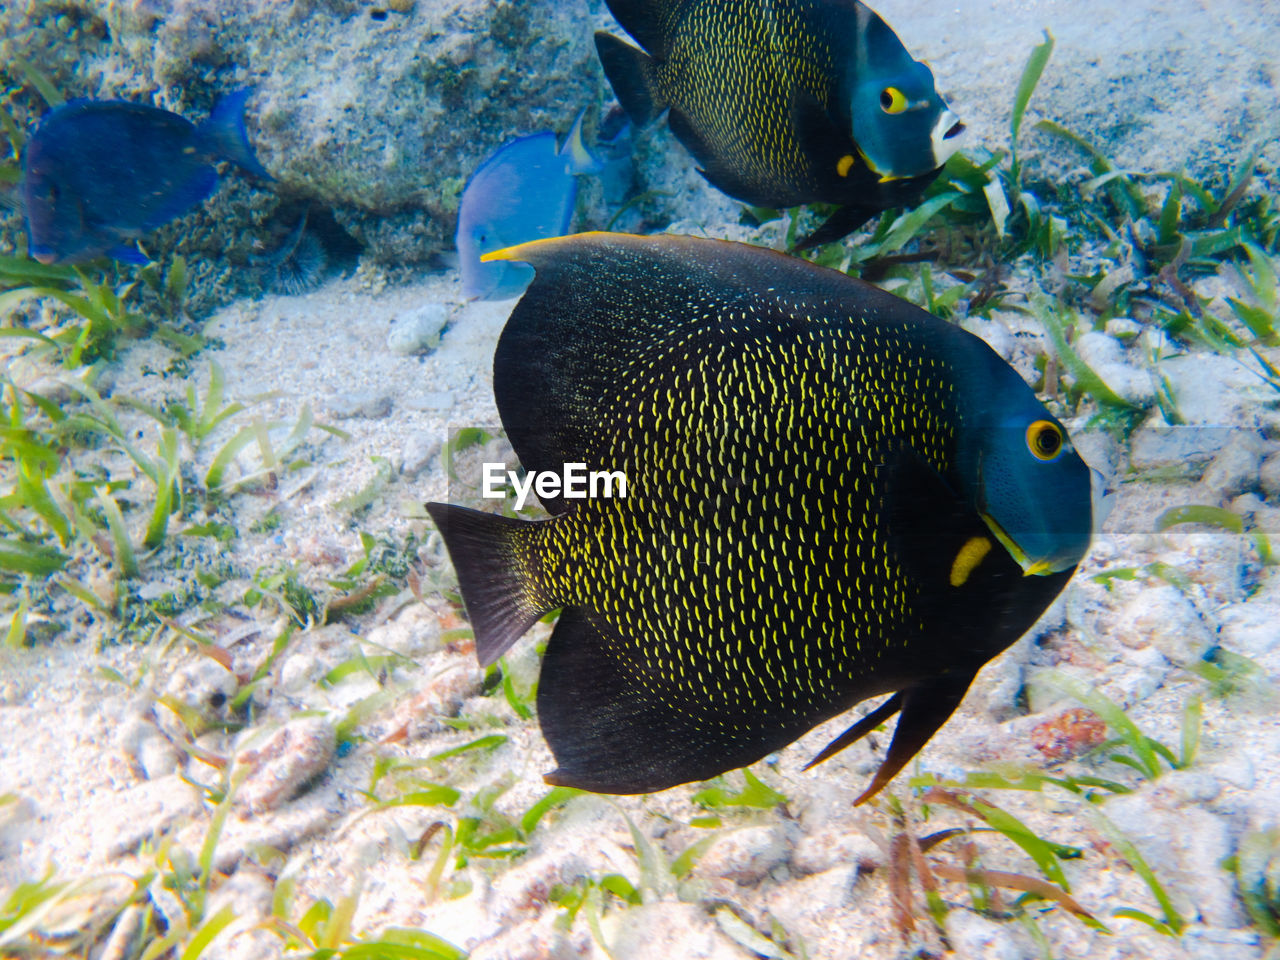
(736, 69)
(748, 567)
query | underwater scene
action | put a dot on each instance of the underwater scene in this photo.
(639, 479)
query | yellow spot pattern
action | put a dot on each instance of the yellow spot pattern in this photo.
(748, 572)
(737, 69)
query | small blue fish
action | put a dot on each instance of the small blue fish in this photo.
(98, 174)
(524, 191)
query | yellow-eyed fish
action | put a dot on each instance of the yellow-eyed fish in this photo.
(784, 102)
(525, 190)
(831, 495)
(98, 174)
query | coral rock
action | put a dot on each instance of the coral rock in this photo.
(1068, 734)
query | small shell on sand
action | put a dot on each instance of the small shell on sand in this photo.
(289, 759)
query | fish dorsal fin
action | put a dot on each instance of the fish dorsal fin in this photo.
(644, 20)
(608, 310)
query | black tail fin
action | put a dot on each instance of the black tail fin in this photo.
(630, 73)
(490, 554)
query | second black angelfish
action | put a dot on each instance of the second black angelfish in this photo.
(786, 102)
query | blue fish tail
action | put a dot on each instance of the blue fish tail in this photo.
(224, 134)
(581, 160)
(128, 254)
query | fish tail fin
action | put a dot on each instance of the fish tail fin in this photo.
(225, 136)
(631, 74)
(581, 160)
(490, 554)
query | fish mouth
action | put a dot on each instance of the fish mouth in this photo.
(1030, 567)
(46, 257)
(945, 136)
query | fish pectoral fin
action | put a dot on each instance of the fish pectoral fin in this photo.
(929, 523)
(860, 729)
(819, 137)
(925, 709)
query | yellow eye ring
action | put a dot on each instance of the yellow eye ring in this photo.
(892, 100)
(1044, 440)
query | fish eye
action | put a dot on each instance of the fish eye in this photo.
(892, 100)
(1044, 440)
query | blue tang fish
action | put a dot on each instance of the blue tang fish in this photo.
(524, 191)
(98, 174)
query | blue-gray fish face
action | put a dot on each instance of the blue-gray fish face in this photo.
(525, 190)
(901, 125)
(1026, 479)
(54, 222)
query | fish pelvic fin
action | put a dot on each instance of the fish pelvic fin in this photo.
(837, 226)
(633, 78)
(859, 730)
(924, 710)
(224, 134)
(491, 555)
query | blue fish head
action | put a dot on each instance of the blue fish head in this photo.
(524, 191)
(54, 218)
(901, 125)
(1035, 493)
(494, 280)
(1022, 474)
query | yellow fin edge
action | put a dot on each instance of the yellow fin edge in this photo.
(520, 251)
